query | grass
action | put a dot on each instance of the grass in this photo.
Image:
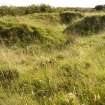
(58, 69)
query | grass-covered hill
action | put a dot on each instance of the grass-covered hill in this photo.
(53, 58)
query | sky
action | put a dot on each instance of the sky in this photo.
(60, 3)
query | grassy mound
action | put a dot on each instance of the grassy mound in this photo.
(88, 25)
(41, 33)
(67, 17)
(20, 34)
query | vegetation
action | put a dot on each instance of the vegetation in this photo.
(68, 17)
(100, 7)
(12, 10)
(45, 60)
(87, 25)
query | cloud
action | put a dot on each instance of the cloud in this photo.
(73, 3)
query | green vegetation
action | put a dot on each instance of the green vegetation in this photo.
(45, 60)
(12, 10)
(69, 17)
(87, 25)
(100, 7)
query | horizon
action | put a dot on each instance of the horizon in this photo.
(54, 3)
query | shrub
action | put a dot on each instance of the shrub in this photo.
(20, 33)
(45, 8)
(12, 10)
(99, 7)
(86, 26)
(67, 17)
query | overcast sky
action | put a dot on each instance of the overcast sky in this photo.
(71, 3)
